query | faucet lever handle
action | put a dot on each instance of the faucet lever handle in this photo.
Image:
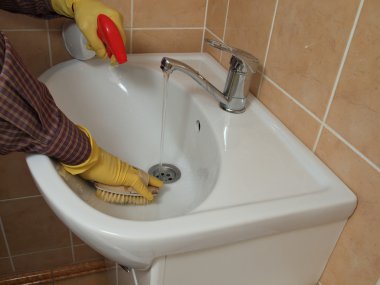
(248, 59)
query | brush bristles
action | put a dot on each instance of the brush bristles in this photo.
(117, 198)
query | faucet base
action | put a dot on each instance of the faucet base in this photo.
(227, 109)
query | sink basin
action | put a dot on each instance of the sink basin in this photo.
(122, 107)
(243, 176)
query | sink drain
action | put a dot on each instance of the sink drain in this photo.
(168, 173)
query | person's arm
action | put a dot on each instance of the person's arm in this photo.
(31, 122)
(37, 8)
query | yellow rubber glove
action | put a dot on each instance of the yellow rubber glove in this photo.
(85, 13)
(105, 168)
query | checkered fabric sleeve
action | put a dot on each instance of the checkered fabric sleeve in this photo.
(30, 121)
(37, 8)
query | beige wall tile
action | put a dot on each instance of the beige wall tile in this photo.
(5, 266)
(255, 83)
(128, 33)
(355, 111)
(57, 23)
(248, 25)
(306, 48)
(16, 180)
(84, 253)
(124, 8)
(42, 260)
(3, 247)
(18, 21)
(58, 50)
(356, 258)
(30, 225)
(147, 41)
(292, 116)
(77, 240)
(32, 46)
(169, 13)
(216, 16)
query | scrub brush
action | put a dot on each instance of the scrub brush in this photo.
(122, 194)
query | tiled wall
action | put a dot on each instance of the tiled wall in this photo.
(319, 75)
(31, 236)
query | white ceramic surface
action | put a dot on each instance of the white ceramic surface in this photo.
(244, 175)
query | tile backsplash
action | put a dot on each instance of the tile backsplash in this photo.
(319, 75)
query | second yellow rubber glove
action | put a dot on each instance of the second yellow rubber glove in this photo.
(85, 13)
(105, 168)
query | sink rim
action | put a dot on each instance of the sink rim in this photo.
(143, 241)
(146, 240)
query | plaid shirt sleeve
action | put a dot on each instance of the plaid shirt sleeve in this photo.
(37, 8)
(30, 121)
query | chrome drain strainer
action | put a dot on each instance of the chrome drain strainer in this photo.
(168, 173)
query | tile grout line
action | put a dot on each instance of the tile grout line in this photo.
(340, 70)
(225, 27)
(7, 245)
(225, 20)
(131, 30)
(32, 30)
(268, 45)
(40, 251)
(356, 151)
(49, 43)
(72, 246)
(166, 28)
(131, 13)
(204, 27)
(19, 198)
(275, 84)
(343, 140)
(214, 35)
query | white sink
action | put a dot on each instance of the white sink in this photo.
(122, 107)
(244, 176)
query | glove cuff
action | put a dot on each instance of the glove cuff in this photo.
(91, 160)
(64, 7)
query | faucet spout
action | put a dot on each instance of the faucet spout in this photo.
(169, 65)
(236, 89)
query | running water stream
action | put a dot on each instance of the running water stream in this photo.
(166, 172)
(163, 117)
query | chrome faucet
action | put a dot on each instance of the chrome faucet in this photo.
(242, 65)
